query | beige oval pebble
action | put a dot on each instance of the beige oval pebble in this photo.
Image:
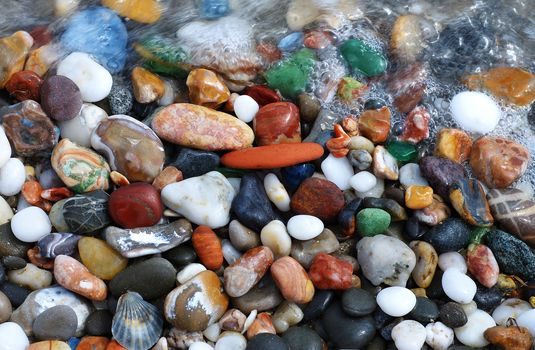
(275, 237)
(5, 308)
(30, 277)
(426, 263)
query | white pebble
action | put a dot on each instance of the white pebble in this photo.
(12, 337)
(12, 177)
(396, 301)
(245, 108)
(338, 170)
(31, 224)
(169, 93)
(188, 272)
(212, 332)
(5, 148)
(475, 112)
(199, 345)
(230, 253)
(65, 7)
(527, 319)
(375, 192)
(231, 341)
(510, 308)
(304, 227)
(276, 192)
(471, 334)
(6, 213)
(79, 129)
(249, 320)
(93, 80)
(409, 335)
(275, 237)
(452, 260)
(363, 181)
(439, 336)
(458, 286)
(410, 174)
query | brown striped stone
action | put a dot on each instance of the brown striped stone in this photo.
(514, 210)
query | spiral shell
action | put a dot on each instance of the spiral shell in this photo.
(137, 324)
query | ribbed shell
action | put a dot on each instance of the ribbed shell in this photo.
(137, 324)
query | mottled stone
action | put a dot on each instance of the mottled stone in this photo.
(58, 322)
(406, 40)
(206, 88)
(441, 173)
(262, 297)
(451, 235)
(85, 213)
(25, 85)
(416, 127)
(329, 272)
(247, 271)
(14, 50)
(454, 144)
(375, 124)
(509, 338)
(74, 276)
(318, 197)
(426, 263)
(61, 98)
(100, 259)
(277, 123)
(167, 176)
(9, 244)
(469, 200)
(292, 280)
(435, 213)
(513, 255)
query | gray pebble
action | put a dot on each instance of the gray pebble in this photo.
(58, 322)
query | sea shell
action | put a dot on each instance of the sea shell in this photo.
(137, 324)
(81, 169)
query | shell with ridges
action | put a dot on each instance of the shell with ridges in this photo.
(137, 324)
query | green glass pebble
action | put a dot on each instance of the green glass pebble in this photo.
(291, 76)
(362, 57)
(372, 221)
(403, 151)
(163, 57)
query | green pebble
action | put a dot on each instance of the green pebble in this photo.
(363, 58)
(372, 221)
(402, 151)
(291, 76)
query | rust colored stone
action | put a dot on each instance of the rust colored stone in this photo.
(416, 128)
(318, 197)
(318, 39)
(262, 324)
(277, 123)
(136, 205)
(114, 345)
(262, 94)
(407, 85)
(74, 276)
(339, 144)
(328, 272)
(31, 191)
(454, 144)
(35, 258)
(509, 338)
(41, 36)
(56, 194)
(93, 343)
(292, 280)
(147, 86)
(375, 124)
(25, 85)
(206, 88)
(208, 247)
(167, 176)
(247, 271)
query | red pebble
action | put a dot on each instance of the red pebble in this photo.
(136, 205)
(482, 264)
(328, 272)
(269, 51)
(41, 36)
(277, 123)
(208, 247)
(416, 128)
(25, 85)
(318, 39)
(56, 194)
(262, 94)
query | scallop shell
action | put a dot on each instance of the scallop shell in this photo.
(137, 324)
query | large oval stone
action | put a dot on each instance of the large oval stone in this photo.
(131, 147)
(277, 123)
(318, 197)
(100, 259)
(441, 173)
(136, 205)
(200, 127)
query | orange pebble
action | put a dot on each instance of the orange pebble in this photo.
(35, 258)
(57, 194)
(31, 191)
(262, 324)
(114, 345)
(208, 247)
(418, 197)
(93, 343)
(273, 156)
(339, 144)
(375, 124)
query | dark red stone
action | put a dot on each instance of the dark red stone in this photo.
(318, 197)
(277, 123)
(41, 36)
(317, 39)
(407, 84)
(135, 205)
(25, 85)
(328, 272)
(262, 94)
(60, 97)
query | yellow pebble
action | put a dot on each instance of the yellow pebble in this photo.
(100, 258)
(419, 292)
(29, 170)
(143, 11)
(418, 197)
(147, 86)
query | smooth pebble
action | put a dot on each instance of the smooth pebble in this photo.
(276, 192)
(363, 181)
(79, 129)
(439, 336)
(12, 176)
(410, 174)
(5, 148)
(31, 224)
(396, 301)
(189, 271)
(452, 260)
(199, 345)
(527, 319)
(231, 341)
(245, 108)
(275, 237)
(12, 337)
(475, 111)
(458, 286)
(510, 308)
(409, 335)
(338, 170)
(304, 227)
(471, 334)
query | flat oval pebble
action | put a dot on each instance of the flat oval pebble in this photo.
(74, 276)
(358, 302)
(452, 260)
(510, 308)
(363, 181)
(304, 227)
(58, 322)
(458, 286)
(527, 319)
(100, 258)
(275, 236)
(475, 112)
(61, 98)
(265, 341)
(30, 224)
(276, 192)
(135, 205)
(396, 301)
(11, 177)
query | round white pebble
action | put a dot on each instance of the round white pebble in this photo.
(510, 308)
(12, 177)
(439, 336)
(245, 108)
(475, 112)
(410, 174)
(409, 335)
(276, 192)
(79, 129)
(363, 181)
(396, 301)
(304, 227)
(338, 170)
(199, 345)
(12, 337)
(452, 260)
(93, 80)
(471, 334)
(375, 192)
(190, 271)
(231, 341)
(5, 148)
(212, 332)
(31, 224)
(275, 237)
(527, 319)
(458, 286)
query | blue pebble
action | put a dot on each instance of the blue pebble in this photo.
(73, 343)
(99, 32)
(211, 9)
(292, 176)
(291, 42)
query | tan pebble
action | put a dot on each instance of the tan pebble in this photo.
(426, 263)
(147, 86)
(292, 280)
(167, 176)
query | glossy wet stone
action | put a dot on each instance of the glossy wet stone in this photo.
(318, 197)
(345, 331)
(14, 49)
(87, 213)
(293, 176)
(374, 124)
(302, 338)
(25, 85)
(358, 302)
(56, 244)
(291, 76)
(363, 58)
(135, 205)
(100, 258)
(9, 244)
(454, 144)
(469, 200)
(453, 234)
(407, 85)
(195, 163)
(206, 88)
(441, 173)
(277, 123)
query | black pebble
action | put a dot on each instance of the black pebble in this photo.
(358, 302)
(425, 311)
(302, 338)
(195, 163)
(266, 341)
(414, 229)
(374, 104)
(452, 235)
(98, 323)
(181, 255)
(322, 299)
(488, 299)
(386, 331)
(452, 315)
(345, 331)
(15, 293)
(120, 98)
(13, 262)
(435, 291)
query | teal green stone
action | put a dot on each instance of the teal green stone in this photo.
(372, 221)
(403, 151)
(291, 76)
(362, 57)
(163, 57)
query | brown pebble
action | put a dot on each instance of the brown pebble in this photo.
(509, 338)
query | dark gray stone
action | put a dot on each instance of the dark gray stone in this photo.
(181, 255)
(264, 296)
(195, 162)
(514, 256)
(55, 244)
(120, 98)
(266, 341)
(321, 300)
(57, 323)
(452, 315)
(425, 311)
(358, 302)
(451, 235)
(99, 323)
(345, 331)
(302, 338)
(87, 213)
(13, 262)
(15, 293)
(488, 299)
(10, 245)
(441, 173)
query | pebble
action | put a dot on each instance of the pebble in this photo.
(338, 170)
(372, 221)
(210, 207)
(61, 98)
(56, 244)
(425, 311)
(418, 197)
(263, 296)
(329, 272)
(100, 258)
(98, 323)
(452, 260)
(513, 255)
(409, 335)
(58, 322)
(318, 197)
(31, 277)
(374, 124)
(452, 235)
(509, 337)
(195, 163)
(363, 181)
(510, 308)
(12, 337)
(79, 129)
(74, 276)
(5, 147)
(266, 341)
(262, 94)
(441, 173)
(208, 247)
(30, 224)
(11, 177)
(241, 237)
(304, 227)
(200, 346)
(135, 205)
(458, 286)
(454, 144)
(439, 336)
(363, 58)
(396, 301)
(5, 308)
(471, 334)
(261, 324)
(527, 319)
(246, 108)
(475, 112)
(189, 271)
(292, 280)
(426, 263)
(275, 236)
(24, 85)
(247, 271)
(304, 251)
(361, 159)
(302, 338)
(347, 332)
(358, 302)
(14, 51)
(384, 164)
(277, 123)
(143, 11)
(82, 213)
(276, 192)
(50, 345)
(206, 88)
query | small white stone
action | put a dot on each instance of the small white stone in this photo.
(363, 181)
(245, 108)
(249, 320)
(452, 260)
(396, 301)
(31, 224)
(376, 192)
(12, 337)
(6, 213)
(169, 93)
(79, 129)
(409, 335)
(475, 112)
(276, 192)
(230, 253)
(212, 332)
(469, 308)
(231, 341)
(458, 286)
(93, 80)
(338, 170)
(5, 148)
(65, 7)
(188, 272)
(410, 174)
(527, 319)
(199, 345)
(275, 237)
(471, 334)
(510, 308)
(12, 177)
(304, 227)
(30, 277)
(439, 336)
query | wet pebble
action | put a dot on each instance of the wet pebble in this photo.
(358, 302)
(302, 338)
(345, 331)
(58, 322)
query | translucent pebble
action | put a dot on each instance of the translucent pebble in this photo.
(363, 181)
(475, 112)
(338, 170)
(458, 286)
(245, 108)
(471, 334)
(452, 260)
(510, 308)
